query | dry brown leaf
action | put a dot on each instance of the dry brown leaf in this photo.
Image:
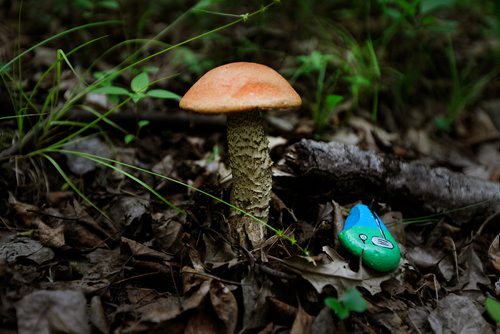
(202, 322)
(30, 216)
(494, 253)
(22, 247)
(51, 237)
(225, 306)
(53, 312)
(338, 274)
(424, 257)
(255, 290)
(323, 323)
(97, 316)
(172, 306)
(302, 322)
(473, 273)
(457, 314)
(138, 250)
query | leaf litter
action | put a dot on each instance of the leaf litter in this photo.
(154, 269)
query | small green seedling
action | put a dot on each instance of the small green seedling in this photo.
(138, 90)
(351, 301)
(130, 137)
(493, 308)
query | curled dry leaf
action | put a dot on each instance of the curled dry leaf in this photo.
(128, 210)
(139, 250)
(225, 306)
(170, 307)
(472, 275)
(97, 316)
(167, 228)
(494, 253)
(193, 304)
(30, 216)
(302, 322)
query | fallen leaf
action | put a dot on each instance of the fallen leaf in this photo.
(30, 216)
(391, 321)
(494, 253)
(22, 247)
(418, 318)
(474, 271)
(52, 311)
(170, 307)
(139, 251)
(167, 228)
(225, 305)
(323, 323)
(202, 322)
(338, 274)
(128, 210)
(302, 322)
(51, 237)
(255, 289)
(457, 314)
(97, 316)
(424, 257)
(283, 314)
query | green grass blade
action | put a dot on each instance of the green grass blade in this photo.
(239, 210)
(100, 161)
(105, 119)
(72, 185)
(56, 36)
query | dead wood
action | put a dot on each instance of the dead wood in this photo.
(347, 173)
(170, 119)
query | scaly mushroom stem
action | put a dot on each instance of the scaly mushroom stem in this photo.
(252, 176)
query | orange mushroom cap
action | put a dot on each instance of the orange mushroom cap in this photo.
(240, 86)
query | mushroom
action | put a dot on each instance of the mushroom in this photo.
(241, 90)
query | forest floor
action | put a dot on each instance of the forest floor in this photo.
(153, 266)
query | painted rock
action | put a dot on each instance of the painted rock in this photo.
(364, 234)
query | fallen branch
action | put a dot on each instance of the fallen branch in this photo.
(347, 173)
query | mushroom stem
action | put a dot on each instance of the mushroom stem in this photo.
(252, 176)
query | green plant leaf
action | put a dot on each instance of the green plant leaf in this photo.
(142, 123)
(428, 6)
(140, 83)
(113, 90)
(109, 4)
(73, 185)
(332, 101)
(354, 301)
(493, 308)
(5, 66)
(338, 307)
(129, 138)
(442, 124)
(163, 94)
(150, 69)
(137, 97)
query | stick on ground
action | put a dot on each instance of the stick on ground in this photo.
(347, 173)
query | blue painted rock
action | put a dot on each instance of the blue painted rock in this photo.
(364, 234)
